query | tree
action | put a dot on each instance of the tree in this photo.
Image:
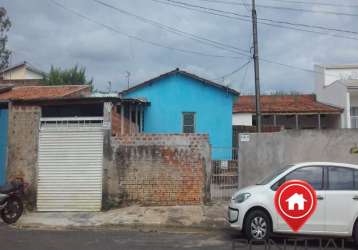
(75, 75)
(5, 25)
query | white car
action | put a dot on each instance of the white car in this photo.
(252, 209)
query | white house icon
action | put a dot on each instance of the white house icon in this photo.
(296, 199)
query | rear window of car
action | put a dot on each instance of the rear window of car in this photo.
(341, 178)
(356, 179)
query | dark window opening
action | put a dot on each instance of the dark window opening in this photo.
(188, 122)
(74, 110)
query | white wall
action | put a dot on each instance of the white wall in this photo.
(242, 119)
(21, 73)
(15, 74)
(332, 75)
(332, 94)
(33, 75)
(354, 100)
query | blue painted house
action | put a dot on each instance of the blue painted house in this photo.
(181, 102)
(3, 142)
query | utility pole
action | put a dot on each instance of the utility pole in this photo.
(109, 87)
(128, 75)
(257, 67)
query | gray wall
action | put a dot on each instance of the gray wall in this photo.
(268, 151)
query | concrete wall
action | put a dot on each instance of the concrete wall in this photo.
(240, 119)
(23, 134)
(157, 169)
(266, 152)
(171, 96)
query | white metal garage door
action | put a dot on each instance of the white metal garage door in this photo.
(70, 166)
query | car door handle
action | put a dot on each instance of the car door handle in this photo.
(355, 198)
(319, 197)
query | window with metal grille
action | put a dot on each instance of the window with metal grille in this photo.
(188, 122)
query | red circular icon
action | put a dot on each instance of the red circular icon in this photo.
(295, 202)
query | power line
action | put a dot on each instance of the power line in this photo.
(243, 18)
(234, 71)
(286, 8)
(118, 31)
(246, 6)
(263, 19)
(173, 48)
(244, 76)
(262, 59)
(316, 3)
(176, 31)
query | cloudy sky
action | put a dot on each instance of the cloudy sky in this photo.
(110, 43)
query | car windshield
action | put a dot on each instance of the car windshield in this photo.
(275, 173)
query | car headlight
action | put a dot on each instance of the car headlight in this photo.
(239, 198)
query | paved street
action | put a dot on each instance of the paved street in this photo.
(26, 239)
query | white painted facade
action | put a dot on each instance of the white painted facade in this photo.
(242, 119)
(22, 72)
(337, 85)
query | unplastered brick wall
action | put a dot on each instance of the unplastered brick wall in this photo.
(117, 123)
(23, 146)
(153, 169)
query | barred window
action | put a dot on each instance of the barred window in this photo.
(188, 122)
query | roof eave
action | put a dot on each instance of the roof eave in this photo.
(177, 71)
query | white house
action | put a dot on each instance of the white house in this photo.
(338, 85)
(21, 72)
(296, 199)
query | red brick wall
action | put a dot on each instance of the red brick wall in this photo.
(116, 124)
(158, 169)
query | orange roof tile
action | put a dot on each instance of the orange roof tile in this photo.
(44, 92)
(284, 104)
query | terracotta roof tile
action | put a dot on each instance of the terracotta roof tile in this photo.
(44, 92)
(284, 104)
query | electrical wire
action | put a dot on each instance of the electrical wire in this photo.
(246, 19)
(286, 8)
(118, 31)
(175, 30)
(173, 48)
(234, 71)
(316, 3)
(263, 19)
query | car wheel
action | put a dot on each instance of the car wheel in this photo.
(355, 233)
(257, 226)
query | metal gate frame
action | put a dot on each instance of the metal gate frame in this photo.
(224, 181)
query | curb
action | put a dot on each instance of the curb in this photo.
(130, 227)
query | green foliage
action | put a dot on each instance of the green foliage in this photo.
(72, 76)
(5, 25)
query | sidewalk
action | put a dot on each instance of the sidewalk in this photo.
(205, 217)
